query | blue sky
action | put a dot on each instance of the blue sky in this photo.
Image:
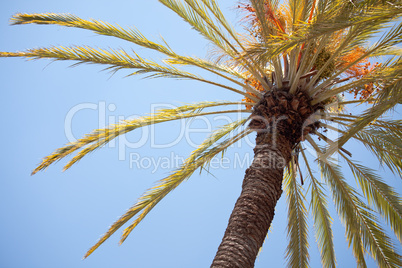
(52, 218)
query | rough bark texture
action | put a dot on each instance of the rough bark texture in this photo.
(254, 210)
(281, 120)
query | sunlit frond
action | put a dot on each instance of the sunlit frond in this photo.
(215, 68)
(197, 15)
(381, 145)
(391, 91)
(97, 26)
(363, 230)
(322, 219)
(366, 118)
(384, 143)
(262, 9)
(212, 5)
(134, 36)
(388, 41)
(300, 11)
(101, 137)
(340, 16)
(198, 158)
(379, 194)
(297, 250)
(200, 20)
(387, 77)
(116, 60)
(355, 129)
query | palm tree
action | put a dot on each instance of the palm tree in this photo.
(294, 69)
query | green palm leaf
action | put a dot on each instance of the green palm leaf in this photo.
(117, 60)
(136, 37)
(338, 16)
(362, 227)
(387, 153)
(198, 158)
(97, 26)
(379, 194)
(197, 15)
(383, 138)
(198, 18)
(322, 219)
(297, 250)
(100, 137)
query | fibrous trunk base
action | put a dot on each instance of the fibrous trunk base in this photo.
(254, 210)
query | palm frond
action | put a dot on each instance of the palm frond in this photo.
(302, 11)
(379, 194)
(382, 137)
(212, 5)
(367, 117)
(351, 35)
(262, 10)
(200, 20)
(388, 41)
(101, 137)
(297, 250)
(116, 60)
(391, 90)
(323, 95)
(136, 37)
(342, 16)
(215, 68)
(388, 153)
(322, 219)
(317, 149)
(198, 158)
(356, 102)
(386, 124)
(197, 15)
(363, 230)
(339, 17)
(387, 77)
(354, 37)
(331, 142)
(97, 26)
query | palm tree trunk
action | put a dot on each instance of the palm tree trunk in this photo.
(254, 210)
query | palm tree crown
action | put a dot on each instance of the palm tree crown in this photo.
(294, 69)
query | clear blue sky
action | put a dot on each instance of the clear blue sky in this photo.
(52, 218)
